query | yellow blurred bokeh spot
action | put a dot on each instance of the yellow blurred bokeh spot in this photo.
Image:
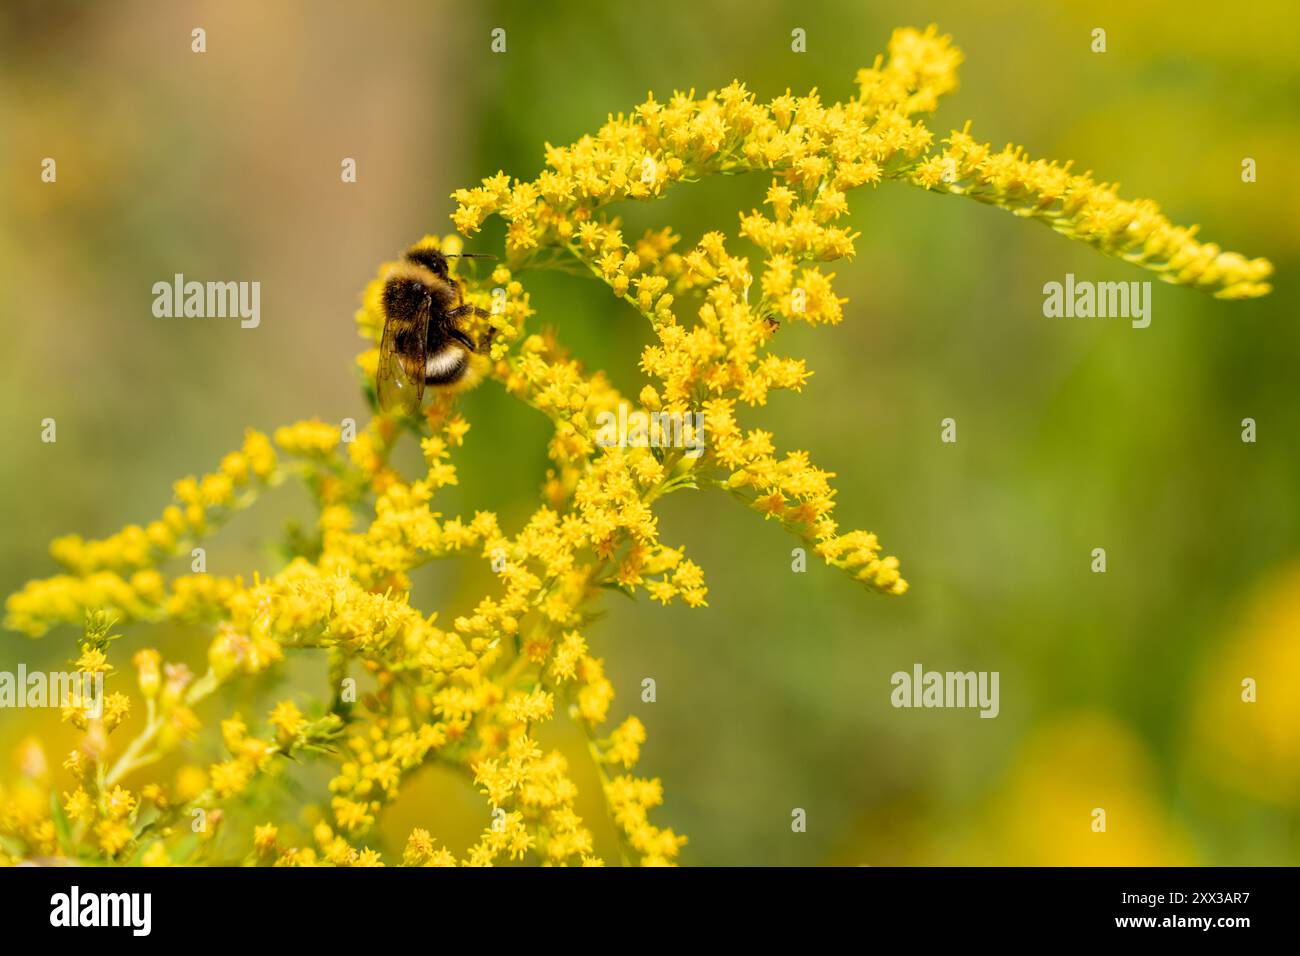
(1250, 745)
(1046, 811)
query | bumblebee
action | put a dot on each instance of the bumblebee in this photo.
(424, 341)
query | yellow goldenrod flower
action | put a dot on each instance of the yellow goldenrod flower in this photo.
(119, 803)
(287, 719)
(264, 838)
(113, 835)
(147, 666)
(78, 806)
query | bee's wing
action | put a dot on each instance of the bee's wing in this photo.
(402, 355)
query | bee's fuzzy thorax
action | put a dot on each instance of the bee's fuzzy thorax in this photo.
(414, 271)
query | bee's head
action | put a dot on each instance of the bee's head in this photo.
(431, 259)
(436, 262)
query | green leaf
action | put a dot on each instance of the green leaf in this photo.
(146, 818)
(618, 589)
(61, 827)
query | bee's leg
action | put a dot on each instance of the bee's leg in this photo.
(466, 309)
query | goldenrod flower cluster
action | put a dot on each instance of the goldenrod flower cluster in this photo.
(470, 689)
(1079, 207)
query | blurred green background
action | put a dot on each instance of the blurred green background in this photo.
(1118, 690)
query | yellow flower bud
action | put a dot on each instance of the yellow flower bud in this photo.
(147, 663)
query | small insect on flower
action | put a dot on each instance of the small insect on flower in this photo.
(423, 342)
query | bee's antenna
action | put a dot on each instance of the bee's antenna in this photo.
(468, 255)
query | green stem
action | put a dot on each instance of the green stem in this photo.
(135, 756)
